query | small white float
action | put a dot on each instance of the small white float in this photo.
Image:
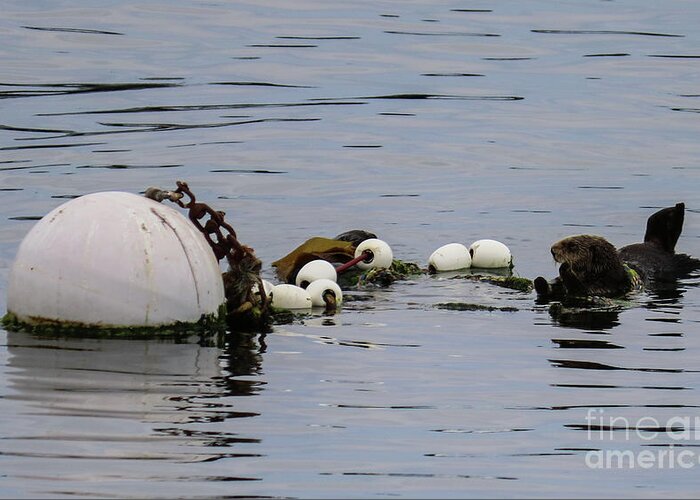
(267, 286)
(319, 290)
(114, 260)
(490, 254)
(380, 257)
(450, 257)
(315, 270)
(287, 296)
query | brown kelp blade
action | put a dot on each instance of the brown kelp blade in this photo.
(314, 248)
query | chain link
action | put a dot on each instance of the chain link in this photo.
(243, 276)
(213, 229)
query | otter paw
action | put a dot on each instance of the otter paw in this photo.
(541, 286)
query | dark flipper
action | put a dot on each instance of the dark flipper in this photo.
(541, 286)
(355, 236)
(656, 257)
(665, 227)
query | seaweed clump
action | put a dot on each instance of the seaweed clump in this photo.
(466, 306)
(512, 282)
(399, 270)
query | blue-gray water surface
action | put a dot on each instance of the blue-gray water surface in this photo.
(425, 122)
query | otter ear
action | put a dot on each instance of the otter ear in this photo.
(665, 227)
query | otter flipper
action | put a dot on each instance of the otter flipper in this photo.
(665, 226)
(355, 236)
(656, 257)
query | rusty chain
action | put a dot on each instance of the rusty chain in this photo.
(223, 245)
(223, 241)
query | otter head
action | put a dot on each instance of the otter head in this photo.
(585, 253)
(590, 265)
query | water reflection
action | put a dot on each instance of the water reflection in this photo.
(664, 297)
(585, 319)
(152, 400)
(665, 293)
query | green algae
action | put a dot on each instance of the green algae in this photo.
(399, 270)
(214, 324)
(466, 306)
(512, 282)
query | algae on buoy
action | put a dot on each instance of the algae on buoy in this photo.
(117, 261)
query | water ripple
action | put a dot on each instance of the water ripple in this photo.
(73, 30)
(592, 365)
(471, 10)
(49, 89)
(51, 146)
(451, 74)
(672, 56)
(418, 96)
(585, 344)
(605, 32)
(443, 33)
(331, 37)
(203, 107)
(263, 84)
(611, 54)
(409, 475)
(613, 386)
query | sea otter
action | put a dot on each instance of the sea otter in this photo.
(591, 266)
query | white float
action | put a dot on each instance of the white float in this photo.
(382, 256)
(450, 257)
(267, 286)
(490, 254)
(315, 270)
(287, 296)
(115, 260)
(317, 289)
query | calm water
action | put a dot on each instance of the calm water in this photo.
(425, 122)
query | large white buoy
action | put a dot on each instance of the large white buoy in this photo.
(381, 257)
(450, 257)
(319, 288)
(287, 296)
(315, 270)
(490, 254)
(114, 259)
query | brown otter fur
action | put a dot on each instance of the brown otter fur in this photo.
(592, 266)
